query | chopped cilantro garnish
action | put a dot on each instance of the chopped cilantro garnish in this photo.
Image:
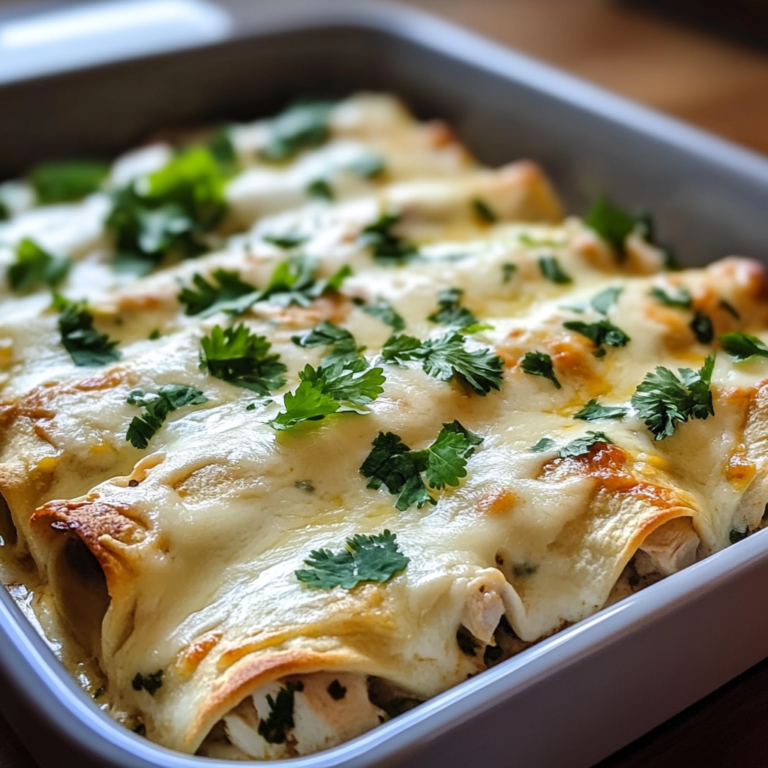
(336, 690)
(663, 400)
(743, 347)
(240, 357)
(387, 246)
(384, 311)
(551, 269)
(682, 298)
(287, 241)
(154, 335)
(451, 313)
(320, 189)
(394, 465)
(367, 166)
(65, 182)
(730, 309)
(280, 718)
(150, 683)
(207, 298)
(169, 211)
(581, 445)
(170, 397)
(344, 387)
(507, 270)
(446, 357)
(540, 364)
(302, 125)
(344, 348)
(35, 267)
(85, 344)
(484, 211)
(612, 223)
(604, 300)
(702, 328)
(601, 333)
(593, 411)
(374, 558)
(221, 146)
(294, 282)
(545, 444)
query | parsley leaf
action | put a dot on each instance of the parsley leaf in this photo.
(86, 346)
(663, 400)
(169, 211)
(280, 719)
(169, 398)
(374, 558)
(344, 387)
(207, 298)
(384, 311)
(320, 189)
(68, 181)
(581, 445)
(604, 300)
(344, 347)
(743, 347)
(446, 357)
(593, 411)
(451, 313)
(603, 332)
(612, 223)
(387, 246)
(551, 269)
(151, 683)
(302, 125)
(540, 364)
(484, 211)
(240, 357)
(702, 328)
(545, 444)
(682, 299)
(394, 465)
(294, 282)
(35, 267)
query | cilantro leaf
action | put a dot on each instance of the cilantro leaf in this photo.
(170, 397)
(663, 400)
(170, 210)
(344, 347)
(742, 346)
(86, 346)
(604, 300)
(302, 125)
(384, 311)
(374, 558)
(730, 309)
(702, 328)
(68, 181)
(387, 246)
(451, 313)
(206, 298)
(151, 683)
(223, 149)
(581, 445)
(612, 223)
(682, 299)
(551, 269)
(540, 364)
(507, 270)
(603, 332)
(35, 267)
(344, 387)
(320, 189)
(446, 357)
(294, 282)
(287, 241)
(593, 411)
(392, 464)
(280, 718)
(240, 357)
(545, 444)
(484, 211)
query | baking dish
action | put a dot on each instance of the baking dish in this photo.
(605, 680)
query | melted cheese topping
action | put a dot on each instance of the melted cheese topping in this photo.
(181, 557)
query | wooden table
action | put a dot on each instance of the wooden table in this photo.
(717, 85)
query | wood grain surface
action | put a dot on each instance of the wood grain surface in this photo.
(723, 87)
